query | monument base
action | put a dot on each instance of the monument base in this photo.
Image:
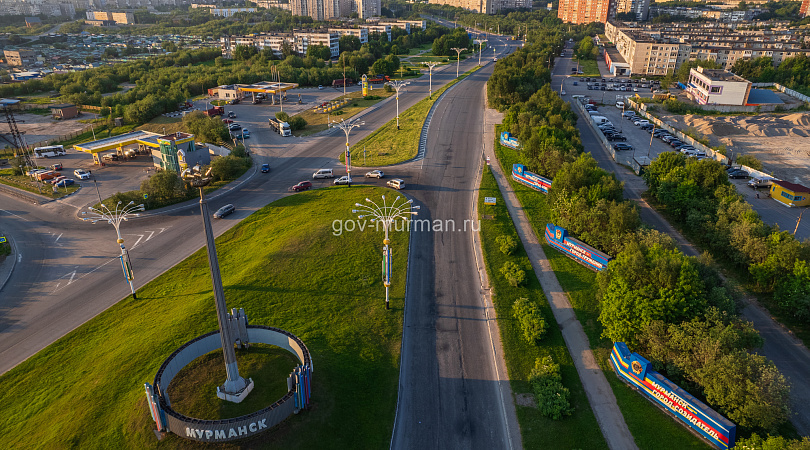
(236, 397)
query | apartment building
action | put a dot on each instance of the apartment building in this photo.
(229, 12)
(360, 33)
(273, 4)
(641, 8)
(20, 57)
(382, 28)
(586, 11)
(485, 6)
(717, 87)
(299, 41)
(118, 18)
(656, 49)
(803, 10)
(366, 9)
(711, 13)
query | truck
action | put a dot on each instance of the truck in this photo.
(281, 127)
(339, 82)
(379, 79)
(215, 111)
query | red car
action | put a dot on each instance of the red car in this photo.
(302, 186)
(227, 120)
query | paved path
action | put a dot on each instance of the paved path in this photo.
(600, 395)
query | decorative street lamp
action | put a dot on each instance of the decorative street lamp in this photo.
(398, 85)
(346, 126)
(386, 214)
(115, 217)
(235, 388)
(458, 57)
(430, 86)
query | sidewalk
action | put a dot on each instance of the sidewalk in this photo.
(600, 395)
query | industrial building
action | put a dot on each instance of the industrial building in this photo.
(20, 57)
(790, 194)
(117, 18)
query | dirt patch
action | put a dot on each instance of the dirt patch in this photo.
(527, 400)
(39, 129)
(778, 140)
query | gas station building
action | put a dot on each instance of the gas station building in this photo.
(232, 91)
(174, 151)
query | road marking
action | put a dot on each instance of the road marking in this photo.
(140, 236)
(9, 212)
(57, 238)
(19, 257)
(151, 233)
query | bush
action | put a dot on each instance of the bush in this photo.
(387, 88)
(282, 116)
(228, 167)
(508, 244)
(513, 273)
(530, 318)
(552, 396)
(164, 186)
(750, 161)
(17, 165)
(297, 123)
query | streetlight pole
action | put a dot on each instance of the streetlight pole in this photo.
(386, 214)
(115, 217)
(235, 387)
(346, 126)
(430, 86)
(458, 57)
(398, 85)
(651, 139)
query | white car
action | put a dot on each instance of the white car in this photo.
(375, 174)
(345, 179)
(641, 122)
(81, 174)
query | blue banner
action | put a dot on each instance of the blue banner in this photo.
(575, 249)
(534, 181)
(507, 140)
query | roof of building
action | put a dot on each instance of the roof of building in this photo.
(792, 186)
(719, 75)
(763, 96)
(60, 106)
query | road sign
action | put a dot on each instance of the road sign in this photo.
(2, 239)
(489, 200)
(145, 196)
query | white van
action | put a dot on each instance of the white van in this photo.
(396, 183)
(323, 173)
(577, 96)
(600, 119)
(620, 105)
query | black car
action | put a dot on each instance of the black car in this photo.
(616, 137)
(647, 126)
(622, 146)
(235, 127)
(660, 132)
(224, 211)
(675, 143)
(737, 173)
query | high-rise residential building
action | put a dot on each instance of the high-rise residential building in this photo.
(368, 8)
(485, 6)
(326, 9)
(803, 10)
(586, 11)
(641, 8)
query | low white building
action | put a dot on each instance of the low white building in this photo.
(717, 87)
(228, 12)
(361, 33)
(329, 39)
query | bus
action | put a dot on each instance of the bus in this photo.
(47, 152)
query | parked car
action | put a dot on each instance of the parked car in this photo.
(57, 179)
(622, 146)
(245, 133)
(65, 182)
(224, 211)
(320, 86)
(375, 174)
(647, 127)
(345, 179)
(629, 113)
(668, 137)
(576, 83)
(227, 121)
(302, 186)
(616, 137)
(56, 166)
(674, 142)
(620, 105)
(265, 168)
(235, 127)
(737, 174)
(81, 174)
(638, 122)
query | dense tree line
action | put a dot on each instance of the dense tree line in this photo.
(675, 310)
(792, 72)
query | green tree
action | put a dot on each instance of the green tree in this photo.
(349, 43)
(206, 129)
(552, 396)
(164, 186)
(513, 273)
(244, 52)
(750, 161)
(508, 244)
(530, 319)
(169, 46)
(320, 52)
(228, 167)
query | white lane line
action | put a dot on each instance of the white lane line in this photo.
(140, 236)
(9, 212)
(84, 275)
(57, 238)
(151, 233)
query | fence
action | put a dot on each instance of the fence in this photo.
(61, 138)
(783, 89)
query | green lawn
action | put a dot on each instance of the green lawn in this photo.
(651, 428)
(317, 122)
(286, 267)
(387, 145)
(580, 430)
(589, 67)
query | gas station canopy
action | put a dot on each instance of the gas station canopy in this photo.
(136, 137)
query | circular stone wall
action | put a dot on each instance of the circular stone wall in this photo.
(238, 427)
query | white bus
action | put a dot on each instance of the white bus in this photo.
(47, 152)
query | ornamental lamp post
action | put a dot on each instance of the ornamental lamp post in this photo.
(235, 388)
(386, 214)
(114, 217)
(347, 126)
(398, 85)
(430, 86)
(458, 57)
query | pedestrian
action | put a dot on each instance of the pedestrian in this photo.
(757, 194)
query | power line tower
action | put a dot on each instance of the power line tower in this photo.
(14, 137)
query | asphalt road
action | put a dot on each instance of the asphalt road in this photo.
(450, 394)
(791, 357)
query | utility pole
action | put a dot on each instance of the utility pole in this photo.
(798, 221)
(458, 57)
(430, 85)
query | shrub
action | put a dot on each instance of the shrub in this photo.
(387, 88)
(508, 244)
(228, 167)
(297, 123)
(282, 116)
(552, 396)
(513, 273)
(530, 319)
(750, 161)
